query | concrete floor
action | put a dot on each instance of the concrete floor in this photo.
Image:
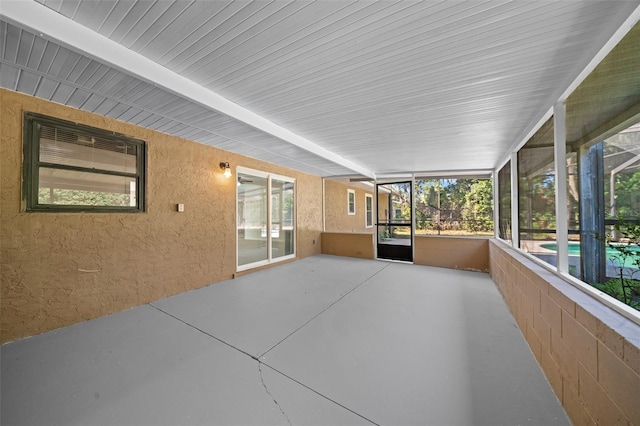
(324, 340)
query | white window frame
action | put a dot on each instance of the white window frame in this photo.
(270, 259)
(351, 207)
(368, 213)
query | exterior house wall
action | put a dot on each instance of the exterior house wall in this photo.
(62, 268)
(337, 218)
(589, 353)
(348, 244)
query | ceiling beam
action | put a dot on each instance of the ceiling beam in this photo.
(48, 23)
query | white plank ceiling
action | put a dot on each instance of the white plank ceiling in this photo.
(373, 87)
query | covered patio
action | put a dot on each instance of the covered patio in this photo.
(324, 340)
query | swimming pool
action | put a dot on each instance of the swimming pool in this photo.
(612, 254)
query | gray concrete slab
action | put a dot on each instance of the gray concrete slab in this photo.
(345, 341)
(142, 367)
(255, 312)
(301, 406)
(418, 345)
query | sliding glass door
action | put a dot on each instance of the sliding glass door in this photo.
(282, 229)
(252, 219)
(265, 218)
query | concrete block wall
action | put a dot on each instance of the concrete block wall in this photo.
(589, 353)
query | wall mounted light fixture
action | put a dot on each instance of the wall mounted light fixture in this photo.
(227, 169)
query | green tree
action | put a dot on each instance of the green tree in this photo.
(70, 197)
(625, 287)
(478, 209)
(627, 194)
(454, 204)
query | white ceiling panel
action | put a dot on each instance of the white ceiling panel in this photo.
(9, 76)
(92, 103)
(62, 94)
(90, 69)
(105, 106)
(27, 82)
(101, 73)
(148, 121)
(78, 98)
(45, 88)
(377, 86)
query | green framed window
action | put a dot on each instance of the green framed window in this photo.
(74, 168)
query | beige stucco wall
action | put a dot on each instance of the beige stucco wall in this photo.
(61, 268)
(349, 244)
(337, 218)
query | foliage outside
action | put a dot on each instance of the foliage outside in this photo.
(454, 206)
(537, 207)
(626, 286)
(70, 197)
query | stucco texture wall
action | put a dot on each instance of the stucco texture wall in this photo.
(337, 218)
(61, 268)
(349, 244)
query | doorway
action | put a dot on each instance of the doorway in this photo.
(395, 219)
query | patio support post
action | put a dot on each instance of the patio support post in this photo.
(592, 229)
(515, 209)
(560, 144)
(496, 204)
